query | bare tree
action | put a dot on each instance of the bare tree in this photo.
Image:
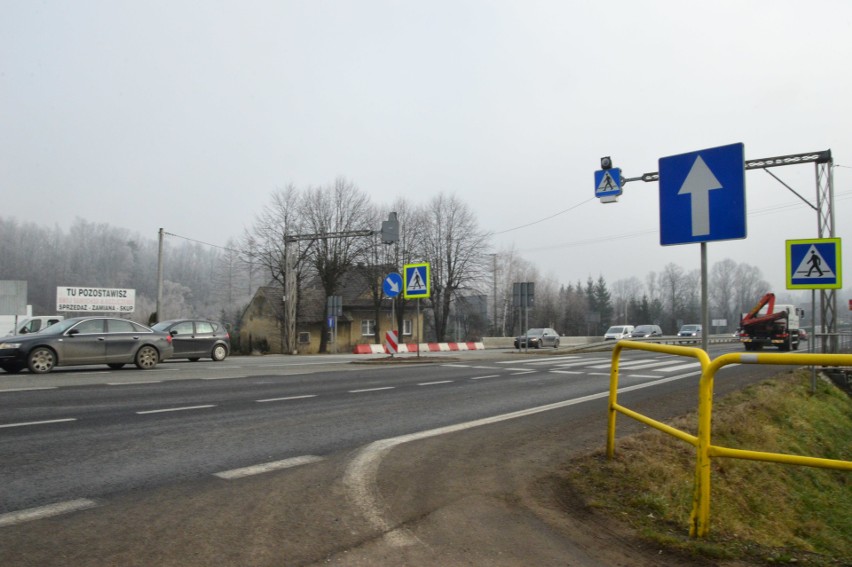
(456, 249)
(339, 208)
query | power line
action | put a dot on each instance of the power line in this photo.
(201, 242)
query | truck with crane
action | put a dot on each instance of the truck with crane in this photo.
(768, 324)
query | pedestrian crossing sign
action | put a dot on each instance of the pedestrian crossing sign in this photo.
(814, 264)
(416, 281)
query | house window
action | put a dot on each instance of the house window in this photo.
(304, 338)
(406, 327)
(368, 327)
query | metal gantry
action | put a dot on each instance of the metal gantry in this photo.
(824, 208)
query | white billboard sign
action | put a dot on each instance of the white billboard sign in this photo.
(95, 299)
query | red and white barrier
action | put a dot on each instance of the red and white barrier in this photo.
(423, 347)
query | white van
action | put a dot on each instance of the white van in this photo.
(618, 332)
(34, 324)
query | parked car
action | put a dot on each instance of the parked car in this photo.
(646, 332)
(538, 338)
(86, 340)
(197, 338)
(689, 331)
(617, 332)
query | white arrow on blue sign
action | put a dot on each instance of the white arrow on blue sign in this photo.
(702, 196)
(392, 284)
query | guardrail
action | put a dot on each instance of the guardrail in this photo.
(700, 516)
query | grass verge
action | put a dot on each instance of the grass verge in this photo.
(760, 512)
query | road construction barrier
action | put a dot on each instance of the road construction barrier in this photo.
(700, 515)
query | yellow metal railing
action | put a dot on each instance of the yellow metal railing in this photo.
(700, 516)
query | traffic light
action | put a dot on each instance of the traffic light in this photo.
(390, 230)
(606, 162)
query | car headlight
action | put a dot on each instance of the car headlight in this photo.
(10, 345)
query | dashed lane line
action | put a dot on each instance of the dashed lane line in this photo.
(33, 389)
(287, 399)
(49, 421)
(49, 511)
(435, 383)
(484, 377)
(268, 467)
(185, 408)
(371, 389)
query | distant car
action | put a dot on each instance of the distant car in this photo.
(538, 338)
(646, 332)
(197, 338)
(618, 332)
(689, 331)
(803, 335)
(85, 340)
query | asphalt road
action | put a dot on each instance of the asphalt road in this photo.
(89, 438)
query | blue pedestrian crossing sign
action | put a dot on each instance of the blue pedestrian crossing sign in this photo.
(416, 279)
(608, 184)
(814, 264)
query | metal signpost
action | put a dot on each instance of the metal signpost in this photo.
(392, 286)
(417, 284)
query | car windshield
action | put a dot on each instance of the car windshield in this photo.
(615, 330)
(535, 332)
(690, 328)
(642, 329)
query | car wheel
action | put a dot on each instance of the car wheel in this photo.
(556, 343)
(147, 358)
(41, 360)
(219, 353)
(116, 365)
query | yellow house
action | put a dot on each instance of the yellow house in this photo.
(360, 323)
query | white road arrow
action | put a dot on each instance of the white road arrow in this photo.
(698, 185)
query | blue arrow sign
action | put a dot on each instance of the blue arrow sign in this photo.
(392, 285)
(702, 196)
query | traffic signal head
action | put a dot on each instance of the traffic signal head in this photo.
(390, 230)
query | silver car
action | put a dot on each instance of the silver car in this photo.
(537, 338)
(86, 340)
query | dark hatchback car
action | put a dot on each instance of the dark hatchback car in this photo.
(86, 340)
(197, 338)
(538, 338)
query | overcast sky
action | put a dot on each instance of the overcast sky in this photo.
(187, 115)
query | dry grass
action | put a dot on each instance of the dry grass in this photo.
(760, 512)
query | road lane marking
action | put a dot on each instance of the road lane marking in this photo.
(520, 372)
(25, 423)
(223, 377)
(133, 383)
(286, 399)
(435, 383)
(484, 377)
(49, 511)
(456, 365)
(185, 408)
(371, 389)
(680, 367)
(361, 475)
(268, 467)
(565, 372)
(33, 389)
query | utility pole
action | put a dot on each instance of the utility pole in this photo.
(159, 314)
(390, 234)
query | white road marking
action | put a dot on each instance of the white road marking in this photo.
(223, 377)
(484, 377)
(521, 372)
(268, 467)
(371, 389)
(133, 383)
(360, 477)
(21, 516)
(185, 408)
(681, 367)
(435, 383)
(28, 389)
(25, 423)
(456, 365)
(565, 372)
(286, 399)
(556, 360)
